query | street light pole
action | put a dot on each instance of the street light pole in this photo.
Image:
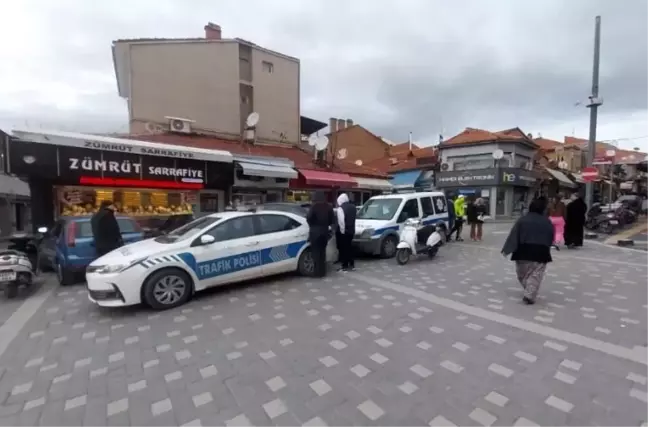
(594, 103)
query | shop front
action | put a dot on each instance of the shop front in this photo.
(259, 180)
(506, 191)
(71, 174)
(366, 188)
(309, 181)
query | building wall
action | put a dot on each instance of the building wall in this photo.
(572, 156)
(450, 155)
(359, 143)
(202, 81)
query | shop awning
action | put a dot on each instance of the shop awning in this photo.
(561, 178)
(404, 180)
(327, 179)
(270, 171)
(373, 183)
(122, 145)
(12, 186)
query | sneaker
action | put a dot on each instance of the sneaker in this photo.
(528, 301)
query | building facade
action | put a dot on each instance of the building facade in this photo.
(212, 82)
(506, 183)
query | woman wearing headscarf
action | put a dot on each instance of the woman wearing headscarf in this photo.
(530, 242)
(556, 213)
(575, 221)
(475, 213)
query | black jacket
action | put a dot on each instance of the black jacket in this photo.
(473, 211)
(320, 217)
(105, 231)
(530, 239)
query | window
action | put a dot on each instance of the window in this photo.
(235, 228)
(382, 209)
(276, 223)
(83, 229)
(188, 230)
(410, 210)
(426, 205)
(268, 67)
(440, 205)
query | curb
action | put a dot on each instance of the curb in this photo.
(625, 236)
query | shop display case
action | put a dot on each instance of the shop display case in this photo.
(80, 201)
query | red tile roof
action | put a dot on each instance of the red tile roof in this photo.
(477, 136)
(621, 157)
(403, 160)
(302, 159)
(547, 144)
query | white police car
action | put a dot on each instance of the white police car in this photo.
(213, 250)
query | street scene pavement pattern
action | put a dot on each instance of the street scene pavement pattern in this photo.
(445, 341)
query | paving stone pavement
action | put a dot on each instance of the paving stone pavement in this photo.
(338, 351)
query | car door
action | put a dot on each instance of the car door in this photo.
(47, 247)
(130, 230)
(410, 210)
(280, 240)
(234, 256)
(427, 210)
(440, 204)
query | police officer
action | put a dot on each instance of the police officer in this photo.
(320, 218)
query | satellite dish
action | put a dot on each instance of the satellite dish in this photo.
(498, 154)
(342, 154)
(252, 119)
(322, 143)
(358, 162)
(312, 140)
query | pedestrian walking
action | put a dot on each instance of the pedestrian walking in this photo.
(452, 217)
(346, 218)
(460, 213)
(575, 221)
(105, 229)
(320, 218)
(475, 213)
(530, 242)
(556, 212)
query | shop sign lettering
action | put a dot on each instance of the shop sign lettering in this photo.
(89, 164)
(125, 148)
(175, 172)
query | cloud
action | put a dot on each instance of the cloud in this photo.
(425, 66)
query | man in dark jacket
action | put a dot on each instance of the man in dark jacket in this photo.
(320, 217)
(105, 229)
(451, 219)
(575, 221)
(346, 218)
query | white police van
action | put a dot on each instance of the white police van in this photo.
(213, 250)
(382, 217)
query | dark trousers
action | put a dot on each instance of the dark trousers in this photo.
(346, 250)
(458, 226)
(318, 246)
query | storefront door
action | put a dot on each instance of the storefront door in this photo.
(209, 202)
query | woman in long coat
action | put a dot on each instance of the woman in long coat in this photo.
(575, 221)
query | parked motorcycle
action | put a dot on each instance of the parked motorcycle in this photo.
(16, 269)
(416, 239)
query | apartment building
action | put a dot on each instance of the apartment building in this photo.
(208, 85)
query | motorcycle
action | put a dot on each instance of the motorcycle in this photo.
(416, 239)
(19, 262)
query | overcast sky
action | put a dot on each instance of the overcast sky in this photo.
(425, 66)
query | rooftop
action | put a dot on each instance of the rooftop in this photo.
(474, 136)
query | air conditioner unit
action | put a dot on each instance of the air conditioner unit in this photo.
(179, 125)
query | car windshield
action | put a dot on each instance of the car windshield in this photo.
(188, 230)
(297, 209)
(382, 209)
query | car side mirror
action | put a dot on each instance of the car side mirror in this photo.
(207, 239)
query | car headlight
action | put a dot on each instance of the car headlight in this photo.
(110, 269)
(610, 215)
(367, 233)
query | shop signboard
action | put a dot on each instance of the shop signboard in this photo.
(518, 177)
(472, 178)
(73, 165)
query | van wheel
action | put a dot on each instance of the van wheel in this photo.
(64, 276)
(306, 263)
(388, 247)
(167, 288)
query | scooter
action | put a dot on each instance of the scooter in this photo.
(416, 239)
(15, 270)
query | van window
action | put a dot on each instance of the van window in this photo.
(410, 210)
(440, 204)
(381, 209)
(426, 206)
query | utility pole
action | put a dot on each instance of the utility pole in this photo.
(594, 103)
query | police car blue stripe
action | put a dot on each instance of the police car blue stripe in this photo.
(239, 262)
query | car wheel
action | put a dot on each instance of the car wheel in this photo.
(388, 247)
(306, 263)
(64, 276)
(403, 256)
(167, 288)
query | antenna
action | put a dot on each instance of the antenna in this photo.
(312, 140)
(342, 154)
(322, 143)
(358, 162)
(252, 119)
